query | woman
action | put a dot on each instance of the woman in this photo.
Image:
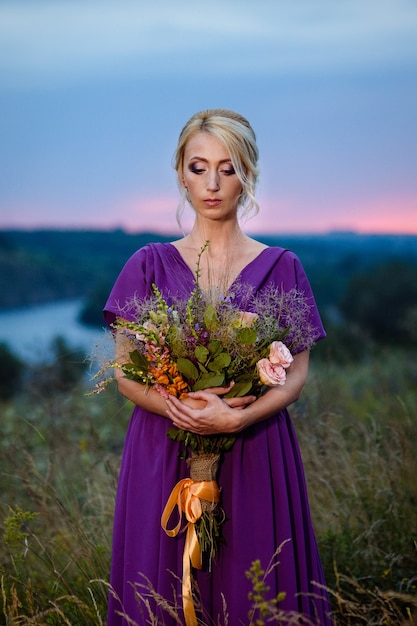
(263, 488)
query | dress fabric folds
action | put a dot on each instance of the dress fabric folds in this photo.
(262, 482)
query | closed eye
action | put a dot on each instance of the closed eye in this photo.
(196, 170)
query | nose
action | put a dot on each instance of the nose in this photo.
(213, 182)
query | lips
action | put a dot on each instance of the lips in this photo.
(212, 201)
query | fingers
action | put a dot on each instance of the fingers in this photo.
(194, 403)
(204, 420)
(205, 395)
(177, 407)
(179, 418)
(240, 403)
(185, 417)
(206, 413)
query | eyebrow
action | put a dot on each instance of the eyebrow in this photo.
(198, 158)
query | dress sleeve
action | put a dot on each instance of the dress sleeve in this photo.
(290, 274)
(303, 285)
(132, 283)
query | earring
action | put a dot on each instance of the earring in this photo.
(187, 195)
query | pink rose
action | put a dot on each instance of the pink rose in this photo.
(279, 354)
(271, 374)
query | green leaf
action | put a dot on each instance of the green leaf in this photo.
(131, 370)
(246, 335)
(172, 335)
(139, 360)
(285, 332)
(211, 319)
(187, 367)
(209, 380)
(239, 389)
(215, 347)
(220, 362)
(227, 443)
(176, 434)
(201, 354)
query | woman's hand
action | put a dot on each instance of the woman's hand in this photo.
(205, 413)
(235, 403)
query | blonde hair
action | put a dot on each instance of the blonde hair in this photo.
(238, 137)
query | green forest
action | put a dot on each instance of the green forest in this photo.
(356, 421)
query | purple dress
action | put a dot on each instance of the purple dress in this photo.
(262, 481)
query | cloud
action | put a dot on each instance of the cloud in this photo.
(46, 41)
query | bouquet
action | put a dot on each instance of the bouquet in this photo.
(210, 341)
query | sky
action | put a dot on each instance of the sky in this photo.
(94, 93)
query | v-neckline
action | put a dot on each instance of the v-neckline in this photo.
(237, 277)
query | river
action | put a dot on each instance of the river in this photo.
(29, 331)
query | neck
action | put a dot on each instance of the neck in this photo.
(222, 236)
(229, 250)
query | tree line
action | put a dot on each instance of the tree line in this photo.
(365, 287)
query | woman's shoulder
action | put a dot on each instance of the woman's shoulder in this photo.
(154, 245)
(260, 245)
(278, 263)
(255, 247)
(280, 253)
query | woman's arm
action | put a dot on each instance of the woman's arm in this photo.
(142, 395)
(218, 417)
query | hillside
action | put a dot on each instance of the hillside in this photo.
(47, 265)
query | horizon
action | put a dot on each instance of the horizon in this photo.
(115, 229)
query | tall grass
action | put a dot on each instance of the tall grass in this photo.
(59, 458)
(360, 451)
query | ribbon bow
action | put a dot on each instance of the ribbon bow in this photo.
(186, 495)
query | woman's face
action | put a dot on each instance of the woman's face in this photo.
(210, 178)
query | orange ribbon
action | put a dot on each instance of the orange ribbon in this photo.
(186, 496)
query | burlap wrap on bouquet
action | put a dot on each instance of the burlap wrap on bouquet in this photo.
(204, 467)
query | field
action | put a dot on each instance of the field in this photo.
(356, 421)
(59, 457)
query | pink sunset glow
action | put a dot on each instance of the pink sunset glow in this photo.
(285, 215)
(396, 216)
(376, 215)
